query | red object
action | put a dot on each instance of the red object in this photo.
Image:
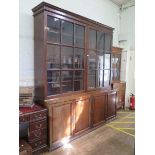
(132, 102)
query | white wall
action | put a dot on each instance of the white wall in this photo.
(127, 41)
(102, 11)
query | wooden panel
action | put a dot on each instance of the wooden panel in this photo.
(116, 50)
(99, 109)
(111, 105)
(61, 122)
(82, 115)
(39, 56)
(121, 96)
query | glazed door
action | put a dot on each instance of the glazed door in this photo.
(81, 110)
(99, 105)
(61, 122)
(111, 105)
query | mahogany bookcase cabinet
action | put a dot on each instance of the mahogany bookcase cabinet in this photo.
(72, 61)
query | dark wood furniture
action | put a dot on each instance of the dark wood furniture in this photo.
(73, 116)
(121, 87)
(117, 83)
(72, 61)
(37, 130)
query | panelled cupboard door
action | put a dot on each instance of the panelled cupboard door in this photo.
(61, 122)
(81, 110)
(111, 104)
(99, 109)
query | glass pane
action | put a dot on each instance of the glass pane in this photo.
(118, 57)
(108, 42)
(67, 57)
(78, 58)
(100, 40)
(106, 77)
(78, 75)
(92, 60)
(100, 61)
(53, 76)
(116, 61)
(92, 39)
(53, 56)
(107, 61)
(67, 76)
(99, 78)
(53, 79)
(67, 33)
(53, 31)
(91, 78)
(78, 85)
(67, 86)
(53, 88)
(79, 36)
(116, 74)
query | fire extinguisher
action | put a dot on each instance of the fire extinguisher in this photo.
(132, 102)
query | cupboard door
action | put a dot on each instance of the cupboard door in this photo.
(82, 115)
(99, 110)
(61, 122)
(111, 104)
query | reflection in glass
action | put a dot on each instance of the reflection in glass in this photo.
(91, 78)
(53, 76)
(100, 61)
(116, 61)
(67, 86)
(100, 40)
(67, 57)
(67, 33)
(99, 78)
(92, 60)
(108, 42)
(78, 75)
(106, 77)
(53, 88)
(53, 29)
(107, 61)
(78, 58)
(79, 36)
(53, 79)
(53, 56)
(67, 76)
(92, 39)
(78, 85)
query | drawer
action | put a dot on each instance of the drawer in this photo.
(38, 125)
(24, 118)
(37, 134)
(38, 116)
(38, 143)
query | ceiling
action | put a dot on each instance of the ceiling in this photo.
(121, 2)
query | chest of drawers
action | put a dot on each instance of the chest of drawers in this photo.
(37, 130)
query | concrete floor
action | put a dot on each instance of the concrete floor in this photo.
(114, 138)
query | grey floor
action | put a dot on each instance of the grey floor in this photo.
(114, 138)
